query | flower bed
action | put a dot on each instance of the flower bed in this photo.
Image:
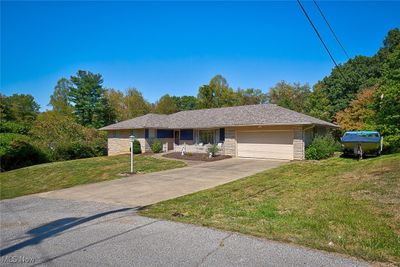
(195, 156)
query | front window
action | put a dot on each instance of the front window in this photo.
(161, 133)
(187, 134)
(206, 136)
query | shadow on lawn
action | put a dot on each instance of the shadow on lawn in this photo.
(354, 157)
(54, 228)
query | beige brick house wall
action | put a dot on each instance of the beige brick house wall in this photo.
(119, 141)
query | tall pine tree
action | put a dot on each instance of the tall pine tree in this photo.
(90, 105)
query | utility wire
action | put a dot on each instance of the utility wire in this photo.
(320, 38)
(330, 28)
(337, 39)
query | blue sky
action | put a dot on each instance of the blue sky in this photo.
(174, 47)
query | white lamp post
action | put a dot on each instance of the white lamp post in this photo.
(132, 137)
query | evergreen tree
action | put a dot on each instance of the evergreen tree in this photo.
(90, 105)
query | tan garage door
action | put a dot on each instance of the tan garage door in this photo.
(272, 145)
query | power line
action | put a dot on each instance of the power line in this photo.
(337, 39)
(330, 28)
(320, 38)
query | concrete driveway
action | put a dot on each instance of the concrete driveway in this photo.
(145, 189)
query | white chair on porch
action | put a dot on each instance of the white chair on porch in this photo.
(165, 147)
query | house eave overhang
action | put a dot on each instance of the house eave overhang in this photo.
(222, 126)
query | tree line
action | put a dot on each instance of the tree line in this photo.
(84, 97)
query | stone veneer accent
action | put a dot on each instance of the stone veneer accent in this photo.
(298, 143)
(230, 142)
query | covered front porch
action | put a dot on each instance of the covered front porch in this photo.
(187, 140)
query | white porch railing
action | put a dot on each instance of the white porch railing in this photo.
(197, 148)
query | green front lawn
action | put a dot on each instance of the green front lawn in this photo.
(340, 205)
(63, 174)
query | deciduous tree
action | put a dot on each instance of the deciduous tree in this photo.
(387, 97)
(117, 105)
(291, 96)
(317, 104)
(359, 115)
(250, 96)
(59, 99)
(342, 85)
(216, 94)
(20, 108)
(224, 96)
(5, 111)
(135, 104)
(185, 102)
(165, 105)
(206, 97)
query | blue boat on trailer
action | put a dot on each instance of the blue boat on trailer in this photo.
(361, 143)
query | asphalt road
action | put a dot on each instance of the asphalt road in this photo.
(49, 232)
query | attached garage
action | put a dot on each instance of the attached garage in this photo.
(265, 144)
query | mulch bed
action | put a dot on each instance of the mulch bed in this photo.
(195, 156)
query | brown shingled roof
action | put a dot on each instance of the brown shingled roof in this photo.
(263, 114)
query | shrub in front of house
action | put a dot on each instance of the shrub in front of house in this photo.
(322, 147)
(136, 147)
(16, 152)
(311, 153)
(214, 150)
(156, 146)
(63, 139)
(75, 150)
